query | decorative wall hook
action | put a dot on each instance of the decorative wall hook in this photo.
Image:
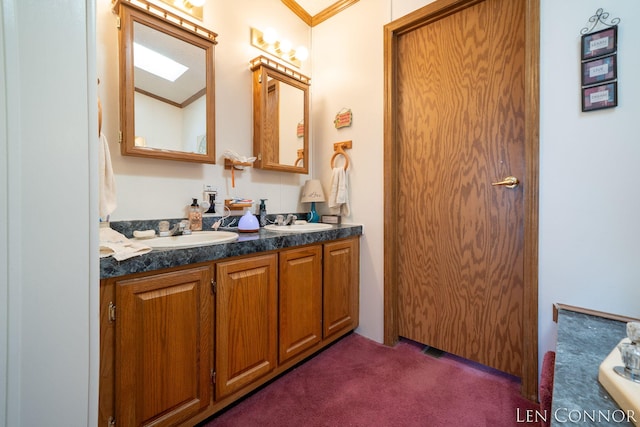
(599, 18)
(235, 165)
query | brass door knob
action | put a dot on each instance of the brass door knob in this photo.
(509, 182)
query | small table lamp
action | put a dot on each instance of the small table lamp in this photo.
(312, 192)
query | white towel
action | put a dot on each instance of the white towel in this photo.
(107, 189)
(339, 196)
(118, 246)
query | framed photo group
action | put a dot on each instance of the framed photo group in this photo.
(600, 69)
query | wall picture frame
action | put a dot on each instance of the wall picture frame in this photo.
(600, 70)
(600, 43)
(600, 97)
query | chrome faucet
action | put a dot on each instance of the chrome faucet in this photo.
(180, 228)
(289, 220)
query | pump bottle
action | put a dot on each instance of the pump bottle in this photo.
(195, 216)
(263, 213)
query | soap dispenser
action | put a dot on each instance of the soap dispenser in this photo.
(195, 216)
(248, 222)
(263, 212)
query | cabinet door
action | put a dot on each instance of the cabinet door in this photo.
(246, 321)
(300, 300)
(341, 285)
(163, 339)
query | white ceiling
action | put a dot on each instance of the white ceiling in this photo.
(314, 6)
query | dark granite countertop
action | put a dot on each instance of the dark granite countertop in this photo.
(247, 243)
(584, 341)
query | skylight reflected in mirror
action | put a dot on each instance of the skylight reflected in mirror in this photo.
(156, 63)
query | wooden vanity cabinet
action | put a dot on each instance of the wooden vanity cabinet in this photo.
(179, 345)
(341, 286)
(299, 300)
(246, 321)
(162, 355)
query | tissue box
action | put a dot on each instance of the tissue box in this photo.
(330, 219)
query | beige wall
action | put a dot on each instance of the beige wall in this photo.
(348, 73)
(589, 204)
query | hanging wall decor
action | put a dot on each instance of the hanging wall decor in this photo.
(343, 118)
(599, 62)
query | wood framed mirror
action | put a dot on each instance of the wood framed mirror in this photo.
(165, 116)
(280, 117)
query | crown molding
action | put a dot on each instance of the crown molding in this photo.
(321, 16)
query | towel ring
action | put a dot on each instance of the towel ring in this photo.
(339, 147)
(346, 159)
(300, 158)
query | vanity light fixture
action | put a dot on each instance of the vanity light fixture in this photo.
(192, 7)
(269, 36)
(301, 53)
(268, 41)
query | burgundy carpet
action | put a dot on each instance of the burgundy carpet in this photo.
(358, 382)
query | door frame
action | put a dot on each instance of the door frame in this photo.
(430, 13)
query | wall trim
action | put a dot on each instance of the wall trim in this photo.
(321, 16)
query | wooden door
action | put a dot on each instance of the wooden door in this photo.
(246, 316)
(300, 300)
(458, 124)
(163, 338)
(341, 273)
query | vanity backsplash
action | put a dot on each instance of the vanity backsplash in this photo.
(128, 227)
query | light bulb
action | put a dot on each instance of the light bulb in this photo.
(285, 46)
(301, 53)
(270, 36)
(196, 3)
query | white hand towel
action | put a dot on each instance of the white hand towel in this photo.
(107, 189)
(118, 246)
(339, 196)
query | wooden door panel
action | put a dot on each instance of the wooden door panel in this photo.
(460, 115)
(246, 322)
(300, 301)
(163, 347)
(341, 286)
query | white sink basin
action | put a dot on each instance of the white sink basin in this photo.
(298, 228)
(196, 238)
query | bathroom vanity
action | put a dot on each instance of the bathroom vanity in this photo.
(186, 332)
